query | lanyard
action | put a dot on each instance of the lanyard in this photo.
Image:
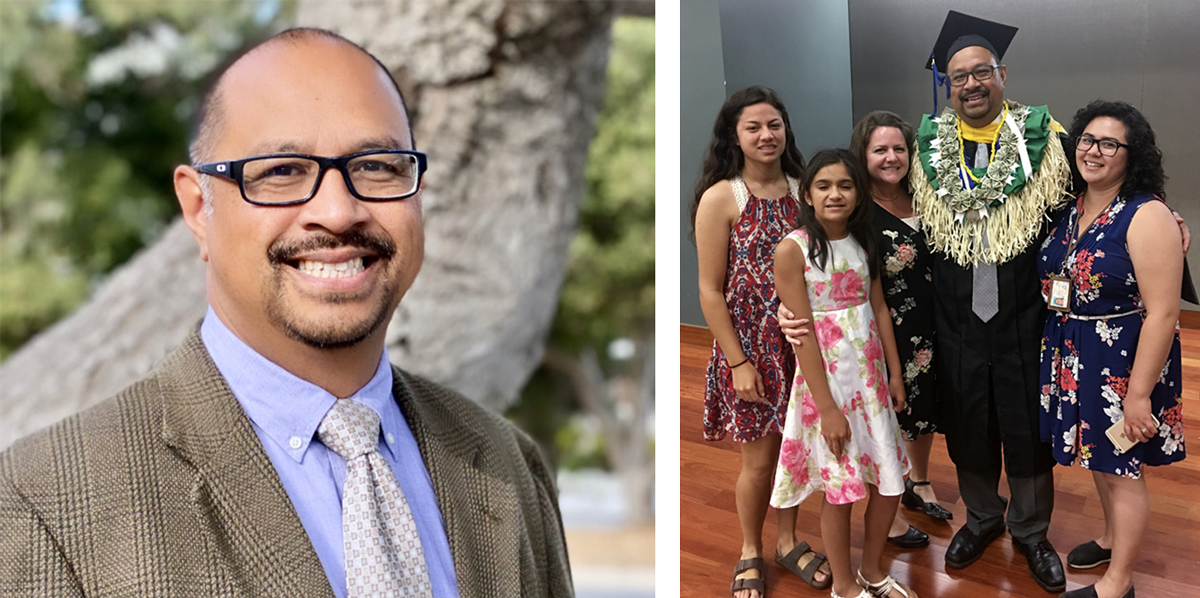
(962, 160)
(1075, 230)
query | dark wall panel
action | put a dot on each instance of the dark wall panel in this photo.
(701, 93)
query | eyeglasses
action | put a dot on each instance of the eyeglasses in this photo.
(289, 179)
(981, 74)
(1108, 145)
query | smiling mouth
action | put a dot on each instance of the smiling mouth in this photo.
(344, 269)
(973, 97)
(366, 250)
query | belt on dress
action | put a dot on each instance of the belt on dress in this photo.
(1075, 316)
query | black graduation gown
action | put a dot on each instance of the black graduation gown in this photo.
(999, 359)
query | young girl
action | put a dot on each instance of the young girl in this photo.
(840, 435)
(745, 202)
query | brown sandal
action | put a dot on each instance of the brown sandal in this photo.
(808, 574)
(756, 584)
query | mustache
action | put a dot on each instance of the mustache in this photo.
(285, 250)
(980, 90)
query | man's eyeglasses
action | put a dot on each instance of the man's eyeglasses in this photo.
(1108, 145)
(289, 179)
(981, 74)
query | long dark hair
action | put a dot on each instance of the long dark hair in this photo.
(1143, 165)
(724, 159)
(858, 225)
(862, 136)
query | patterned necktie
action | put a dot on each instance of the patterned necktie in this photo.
(383, 551)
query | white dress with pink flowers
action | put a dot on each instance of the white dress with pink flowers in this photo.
(844, 325)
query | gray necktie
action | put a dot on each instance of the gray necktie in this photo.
(984, 301)
(383, 550)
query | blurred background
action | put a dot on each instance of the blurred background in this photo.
(97, 97)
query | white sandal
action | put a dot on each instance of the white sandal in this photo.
(885, 587)
(861, 594)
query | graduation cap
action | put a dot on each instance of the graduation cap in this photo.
(963, 31)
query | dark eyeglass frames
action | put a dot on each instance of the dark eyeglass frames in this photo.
(1108, 145)
(980, 73)
(289, 179)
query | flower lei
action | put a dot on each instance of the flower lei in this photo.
(989, 193)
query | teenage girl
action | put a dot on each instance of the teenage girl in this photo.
(745, 202)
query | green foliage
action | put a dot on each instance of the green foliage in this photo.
(94, 118)
(609, 291)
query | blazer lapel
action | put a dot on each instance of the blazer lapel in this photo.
(478, 505)
(255, 539)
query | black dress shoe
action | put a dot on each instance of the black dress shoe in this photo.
(1044, 564)
(931, 509)
(913, 538)
(966, 547)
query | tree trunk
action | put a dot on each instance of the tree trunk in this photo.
(504, 98)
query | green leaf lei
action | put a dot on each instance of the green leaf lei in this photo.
(989, 192)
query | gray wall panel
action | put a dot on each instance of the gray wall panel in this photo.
(1067, 53)
(800, 49)
(701, 93)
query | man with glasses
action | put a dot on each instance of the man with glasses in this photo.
(277, 452)
(985, 175)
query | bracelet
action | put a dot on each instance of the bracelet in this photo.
(740, 363)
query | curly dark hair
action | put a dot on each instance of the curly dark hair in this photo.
(724, 159)
(867, 125)
(1143, 166)
(859, 225)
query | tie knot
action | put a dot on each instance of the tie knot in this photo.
(350, 429)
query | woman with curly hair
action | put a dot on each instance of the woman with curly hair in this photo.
(746, 201)
(1110, 369)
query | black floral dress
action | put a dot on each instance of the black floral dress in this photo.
(908, 291)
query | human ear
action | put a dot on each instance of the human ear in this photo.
(191, 201)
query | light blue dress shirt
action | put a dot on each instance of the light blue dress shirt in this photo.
(286, 411)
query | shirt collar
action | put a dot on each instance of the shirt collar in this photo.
(286, 408)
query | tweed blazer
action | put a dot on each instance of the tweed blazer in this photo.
(165, 490)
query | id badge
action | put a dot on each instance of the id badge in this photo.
(1060, 294)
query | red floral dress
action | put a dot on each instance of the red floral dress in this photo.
(750, 296)
(1086, 360)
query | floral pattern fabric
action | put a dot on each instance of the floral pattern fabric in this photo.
(752, 302)
(909, 293)
(1085, 363)
(844, 326)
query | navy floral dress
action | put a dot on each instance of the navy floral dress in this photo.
(1086, 359)
(753, 306)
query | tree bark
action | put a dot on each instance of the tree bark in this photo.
(504, 98)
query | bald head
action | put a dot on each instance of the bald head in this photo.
(211, 115)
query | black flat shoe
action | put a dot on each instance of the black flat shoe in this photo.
(1090, 592)
(1088, 555)
(966, 547)
(931, 509)
(913, 538)
(1044, 564)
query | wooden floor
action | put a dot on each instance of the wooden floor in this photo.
(710, 539)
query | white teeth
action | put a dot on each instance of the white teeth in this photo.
(325, 270)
